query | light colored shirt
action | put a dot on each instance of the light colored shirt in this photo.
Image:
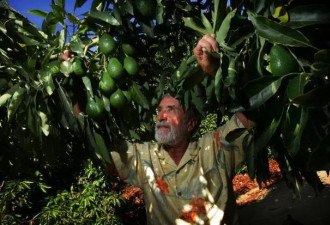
(198, 190)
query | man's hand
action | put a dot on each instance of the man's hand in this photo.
(66, 55)
(202, 51)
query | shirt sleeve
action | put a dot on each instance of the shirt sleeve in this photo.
(230, 149)
(127, 161)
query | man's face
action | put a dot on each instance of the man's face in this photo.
(171, 126)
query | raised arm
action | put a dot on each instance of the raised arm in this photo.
(204, 47)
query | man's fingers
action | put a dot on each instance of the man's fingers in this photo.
(66, 55)
(205, 45)
(211, 41)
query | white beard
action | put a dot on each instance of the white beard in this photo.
(172, 136)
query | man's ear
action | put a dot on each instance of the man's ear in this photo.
(192, 124)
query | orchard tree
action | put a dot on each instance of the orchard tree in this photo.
(274, 62)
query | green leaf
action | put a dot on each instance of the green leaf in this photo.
(127, 6)
(261, 90)
(296, 119)
(76, 45)
(260, 56)
(67, 109)
(28, 41)
(232, 72)
(33, 120)
(79, 3)
(259, 5)
(62, 38)
(59, 13)
(106, 103)
(88, 85)
(218, 14)
(198, 100)
(218, 84)
(269, 130)
(240, 35)
(306, 15)
(37, 12)
(322, 56)
(296, 86)
(206, 23)
(117, 14)
(138, 96)
(6, 96)
(101, 149)
(66, 67)
(15, 102)
(278, 33)
(224, 28)
(234, 134)
(192, 78)
(104, 16)
(159, 12)
(191, 23)
(47, 80)
(315, 98)
(73, 19)
(44, 123)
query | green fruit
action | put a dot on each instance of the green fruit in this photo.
(118, 99)
(145, 7)
(128, 95)
(281, 61)
(94, 107)
(77, 67)
(106, 44)
(128, 49)
(107, 84)
(131, 66)
(115, 68)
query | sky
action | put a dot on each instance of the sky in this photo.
(24, 5)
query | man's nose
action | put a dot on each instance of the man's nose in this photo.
(162, 116)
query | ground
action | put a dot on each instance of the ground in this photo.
(271, 205)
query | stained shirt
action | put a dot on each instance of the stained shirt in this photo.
(196, 191)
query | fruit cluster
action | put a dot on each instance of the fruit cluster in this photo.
(112, 77)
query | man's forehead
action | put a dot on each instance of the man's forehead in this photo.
(169, 101)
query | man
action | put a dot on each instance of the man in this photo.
(185, 181)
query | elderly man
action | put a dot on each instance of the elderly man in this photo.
(185, 181)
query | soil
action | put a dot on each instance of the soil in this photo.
(272, 204)
(277, 206)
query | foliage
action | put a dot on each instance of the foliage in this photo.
(17, 199)
(43, 118)
(91, 201)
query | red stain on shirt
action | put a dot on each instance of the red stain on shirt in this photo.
(162, 185)
(217, 139)
(197, 208)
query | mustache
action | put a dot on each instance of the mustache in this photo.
(162, 124)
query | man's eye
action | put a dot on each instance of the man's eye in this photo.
(170, 109)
